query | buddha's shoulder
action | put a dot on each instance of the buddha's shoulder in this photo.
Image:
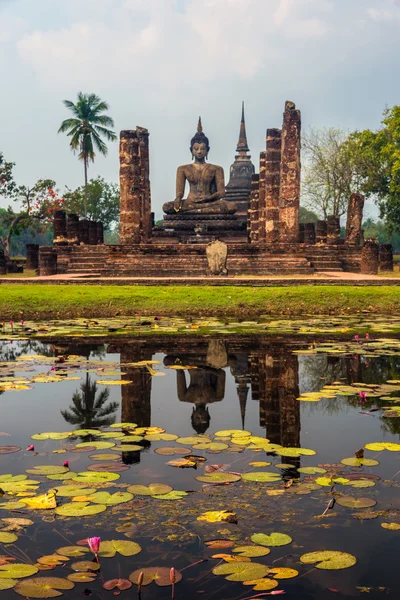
(185, 167)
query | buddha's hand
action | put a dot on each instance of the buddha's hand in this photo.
(177, 204)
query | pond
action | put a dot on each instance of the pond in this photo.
(193, 453)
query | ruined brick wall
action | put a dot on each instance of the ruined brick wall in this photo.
(272, 184)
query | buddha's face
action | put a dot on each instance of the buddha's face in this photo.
(199, 151)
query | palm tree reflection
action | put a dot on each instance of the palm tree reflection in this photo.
(89, 409)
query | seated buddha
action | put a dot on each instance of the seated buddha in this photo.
(206, 183)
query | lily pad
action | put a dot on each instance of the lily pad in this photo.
(128, 448)
(379, 446)
(241, 571)
(120, 584)
(190, 441)
(151, 490)
(283, 573)
(352, 502)
(261, 477)
(262, 584)
(95, 477)
(108, 549)
(17, 571)
(232, 433)
(43, 587)
(251, 551)
(7, 584)
(311, 470)
(103, 457)
(7, 538)
(329, 559)
(170, 451)
(215, 516)
(80, 509)
(359, 462)
(174, 495)
(295, 452)
(259, 464)
(73, 551)
(85, 565)
(97, 445)
(47, 470)
(82, 577)
(69, 491)
(9, 449)
(111, 499)
(273, 539)
(218, 477)
(161, 575)
(391, 526)
(51, 435)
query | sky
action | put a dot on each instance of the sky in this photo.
(162, 63)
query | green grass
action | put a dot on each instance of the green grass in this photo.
(62, 301)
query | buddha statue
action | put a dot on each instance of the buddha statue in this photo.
(206, 183)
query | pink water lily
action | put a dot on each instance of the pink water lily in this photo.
(363, 397)
(66, 464)
(31, 448)
(94, 544)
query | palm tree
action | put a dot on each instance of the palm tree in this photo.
(87, 411)
(86, 129)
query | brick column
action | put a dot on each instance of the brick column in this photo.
(32, 256)
(145, 194)
(370, 257)
(321, 232)
(289, 201)
(60, 228)
(272, 184)
(130, 188)
(261, 198)
(309, 233)
(253, 222)
(354, 219)
(386, 257)
(333, 230)
(73, 229)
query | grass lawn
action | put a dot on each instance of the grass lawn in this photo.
(63, 301)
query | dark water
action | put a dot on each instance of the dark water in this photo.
(252, 385)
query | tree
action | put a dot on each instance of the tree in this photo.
(86, 130)
(380, 152)
(307, 216)
(89, 409)
(102, 202)
(38, 204)
(331, 171)
(7, 183)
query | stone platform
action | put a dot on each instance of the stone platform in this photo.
(198, 229)
(189, 260)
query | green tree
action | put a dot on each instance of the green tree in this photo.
(102, 202)
(86, 129)
(380, 152)
(89, 409)
(331, 171)
(7, 183)
(38, 204)
(307, 216)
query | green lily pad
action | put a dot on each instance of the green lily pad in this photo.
(85, 565)
(251, 551)
(95, 477)
(7, 584)
(8, 478)
(352, 502)
(391, 526)
(218, 477)
(379, 446)
(327, 481)
(295, 452)
(361, 483)
(274, 539)
(80, 509)
(161, 575)
(17, 571)
(261, 477)
(108, 549)
(151, 490)
(217, 516)
(73, 551)
(175, 495)
(43, 587)
(262, 584)
(241, 571)
(7, 538)
(82, 577)
(215, 446)
(128, 448)
(232, 433)
(84, 432)
(111, 499)
(97, 445)
(51, 435)
(103, 457)
(62, 476)
(123, 425)
(329, 559)
(196, 439)
(47, 470)
(359, 462)
(311, 470)
(69, 491)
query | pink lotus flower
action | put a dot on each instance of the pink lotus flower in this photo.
(363, 397)
(356, 338)
(31, 448)
(66, 463)
(94, 544)
(367, 336)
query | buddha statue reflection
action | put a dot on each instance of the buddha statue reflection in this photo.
(206, 183)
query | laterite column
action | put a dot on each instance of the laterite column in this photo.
(289, 201)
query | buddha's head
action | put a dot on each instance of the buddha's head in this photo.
(199, 144)
(200, 419)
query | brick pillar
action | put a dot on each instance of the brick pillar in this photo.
(3, 266)
(354, 219)
(289, 405)
(309, 233)
(73, 229)
(272, 184)
(100, 233)
(130, 188)
(370, 257)
(321, 232)
(145, 193)
(386, 257)
(47, 260)
(261, 198)
(92, 233)
(333, 230)
(32, 256)
(253, 212)
(60, 228)
(84, 231)
(289, 201)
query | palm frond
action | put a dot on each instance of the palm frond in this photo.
(110, 135)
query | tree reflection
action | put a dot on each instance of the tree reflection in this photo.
(88, 408)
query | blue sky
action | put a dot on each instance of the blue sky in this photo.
(161, 63)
